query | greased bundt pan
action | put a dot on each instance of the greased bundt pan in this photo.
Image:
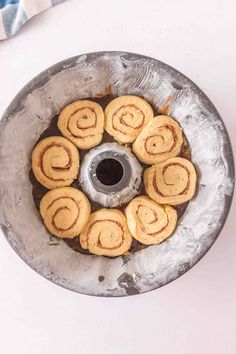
(171, 93)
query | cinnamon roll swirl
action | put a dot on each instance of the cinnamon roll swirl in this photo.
(82, 122)
(126, 116)
(171, 182)
(106, 233)
(160, 140)
(65, 211)
(55, 162)
(149, 222)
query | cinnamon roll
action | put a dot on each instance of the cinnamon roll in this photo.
(82, 122)
(65, 211)
(55, 162)
(106, 233)
(126, 116)
(150, 223)
(171, 182)
(160, 140)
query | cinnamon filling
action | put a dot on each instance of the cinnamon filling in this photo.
(122, 120)
(99, 236)
(154, 182)
(142, 227)
(65, 168)
(78, 125)
(161, 137)
(63, 208)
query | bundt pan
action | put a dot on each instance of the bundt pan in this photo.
(118, 73)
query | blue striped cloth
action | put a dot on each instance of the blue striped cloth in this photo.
(14, 13)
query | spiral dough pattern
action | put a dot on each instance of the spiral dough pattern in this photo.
(160, 140)
(126, 116)
(55, 162)
(106, 233)
(171, 182)
(65, 211)
(82, 122)
(149, 222)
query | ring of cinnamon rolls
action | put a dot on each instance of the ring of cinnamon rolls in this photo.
(169, 180)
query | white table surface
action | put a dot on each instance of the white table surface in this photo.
(195, 314)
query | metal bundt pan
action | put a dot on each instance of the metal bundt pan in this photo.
(120, 73)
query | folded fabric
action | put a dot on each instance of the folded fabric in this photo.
(14, 13)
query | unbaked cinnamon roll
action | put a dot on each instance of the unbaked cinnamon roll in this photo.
(65, 211)
(171, 182)
(55, 162)
(126, 116)
(160, 140)
(150, 223)
(106, 233)
(82, 122)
